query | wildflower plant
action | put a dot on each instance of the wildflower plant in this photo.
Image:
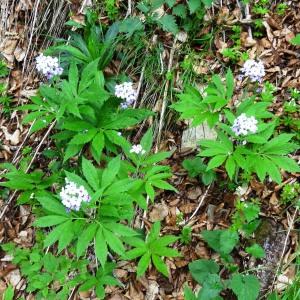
(247, 139)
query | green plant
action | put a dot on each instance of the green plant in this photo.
(152, 249)
(281, 8)
(4, 71)
(262, 152)
(290, 192)
(30, 185)
(53, 276)
(86, 113)
(111, 9)
(246, 217)
(206, 273)
(234, 54)
(296, 40)
(9, 293)
(196, 168)
(186, 235)
(181, 15)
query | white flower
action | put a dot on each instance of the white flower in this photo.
(126, 92)
(48, 66)
(254, 70)
(137, 149)
(244, 125)
(72, 196)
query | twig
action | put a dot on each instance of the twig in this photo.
(248, 17)
(199, 205)
(129, 9)
(284, 248)
(140, 84)
(31, 34)
(164, 100)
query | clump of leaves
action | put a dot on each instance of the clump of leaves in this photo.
(4, 71)
(186, 235)
(246, 217)
(290, 192)
(153, 248)
(262, 153)
(196, 168)
(54, 276)
(206, 273)
(175, 15)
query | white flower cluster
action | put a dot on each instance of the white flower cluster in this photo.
(126, 92)
(254, 70)
(72, 196)
(137, 149)
(244, 125)
(48, 66)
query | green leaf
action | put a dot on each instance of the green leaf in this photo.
(90, 174)
(179, 11)
(65, 237)
(150, 191)
(245, 287)
(296, 40)
(71, 151)
(194, 5)
(83, 137)
(168, 23)
(216, 162)
(285, 163)
(48, 221)
(51, 204)
(211, 288)
(163, 185)
(194, 166)
(97, 146)
(114, 242)
(120, 229)
(101, 247)
(163, 251)
(188, 293)
(222, 241)
(73, 77)
(136, 252)
(8, 293)
(147, 140)
(256, 250)
(54, 235)
(153, 233)
(110, 173)
(160, 265)
(143, 264)
(230, 166)
(201, 268)
(170, 2)
(157, 157)
(131, 25)
(85, 238)
(73, 51)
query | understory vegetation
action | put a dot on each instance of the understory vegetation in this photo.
(110, 196)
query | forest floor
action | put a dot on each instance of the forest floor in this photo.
(162, 65)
